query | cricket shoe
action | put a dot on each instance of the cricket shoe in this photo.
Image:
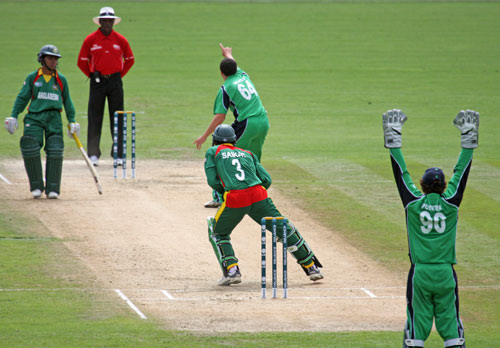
(53, 195)
(119, 162)
(212, 204)
(36, 193)
(231, 278)
(314, 273)
(94, 160)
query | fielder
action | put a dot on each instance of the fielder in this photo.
(431, 222)
(238, 175)
(239, 95)
(46, 90)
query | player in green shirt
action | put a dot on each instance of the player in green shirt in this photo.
(238, 94)
(431, 222)
(238, 175)
(46, 90)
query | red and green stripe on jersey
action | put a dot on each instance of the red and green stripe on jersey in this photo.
(237, 174)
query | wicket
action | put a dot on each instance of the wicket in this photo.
(274, 256)
(124, 143)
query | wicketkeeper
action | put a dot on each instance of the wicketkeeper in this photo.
(238, 175)
(46, 90)
(431, 223)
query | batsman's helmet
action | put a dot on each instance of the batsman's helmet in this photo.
(48, 50)
(224, 134)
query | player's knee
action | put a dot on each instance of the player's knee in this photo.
(55, 146)
(30, 147)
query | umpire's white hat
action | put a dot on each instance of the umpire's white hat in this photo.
(107, 12)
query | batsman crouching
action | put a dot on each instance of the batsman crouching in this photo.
(47, 92)
(238, 175)
(431, 223)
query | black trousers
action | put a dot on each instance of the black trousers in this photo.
(110, 88)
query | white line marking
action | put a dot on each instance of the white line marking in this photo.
(165, 292)
(369, 293)
(5, 179)
(125, 298)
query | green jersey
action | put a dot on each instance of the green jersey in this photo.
(239, 95)
(230, 168)
(431, 219)
(44, 95)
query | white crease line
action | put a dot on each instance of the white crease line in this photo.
(368, 292)
(5, 179)
(130, 304)
(258, 298)
(165, 292)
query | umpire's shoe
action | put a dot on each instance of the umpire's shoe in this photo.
(233, 277)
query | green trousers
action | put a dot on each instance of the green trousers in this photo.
(226, 220)
(42, 125)
(432, 293)
(254, 135)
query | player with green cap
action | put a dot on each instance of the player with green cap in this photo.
(46, 90)
(239, 177)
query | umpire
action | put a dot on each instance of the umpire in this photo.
(105, 57)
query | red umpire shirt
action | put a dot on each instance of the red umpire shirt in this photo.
(106, 54)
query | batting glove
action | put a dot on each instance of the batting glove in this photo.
(468, 124)
(11, 124)
(392, 122)
(73, 128)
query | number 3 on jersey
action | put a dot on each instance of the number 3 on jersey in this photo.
(241, 174)
(438, 222)
(246, 92)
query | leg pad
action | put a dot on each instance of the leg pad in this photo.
(53, 169)
(30, 150)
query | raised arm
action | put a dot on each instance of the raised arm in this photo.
(468, 124)
(392, 123)
(227, 52)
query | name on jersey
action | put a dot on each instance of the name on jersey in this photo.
(232, 154)
(240, 80)
(48, 96)
(430, 207)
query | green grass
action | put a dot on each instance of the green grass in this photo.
(326, 71)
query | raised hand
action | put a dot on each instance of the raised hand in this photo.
(392, 122)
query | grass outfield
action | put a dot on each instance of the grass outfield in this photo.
(326, 72)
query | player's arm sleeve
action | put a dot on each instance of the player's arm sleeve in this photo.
(456, 186)
(23, 97)
(262, 174)
(84, 58)
(68, 103)
(407, 189)
(128, 57)
(211, 171)
(222, 102)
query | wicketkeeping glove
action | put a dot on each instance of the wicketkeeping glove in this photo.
(392, 122)
(11, 124)
(468, 124)
(73, 128)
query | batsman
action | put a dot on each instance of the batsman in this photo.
(46, 90)
(239, 177)
(431, 224)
